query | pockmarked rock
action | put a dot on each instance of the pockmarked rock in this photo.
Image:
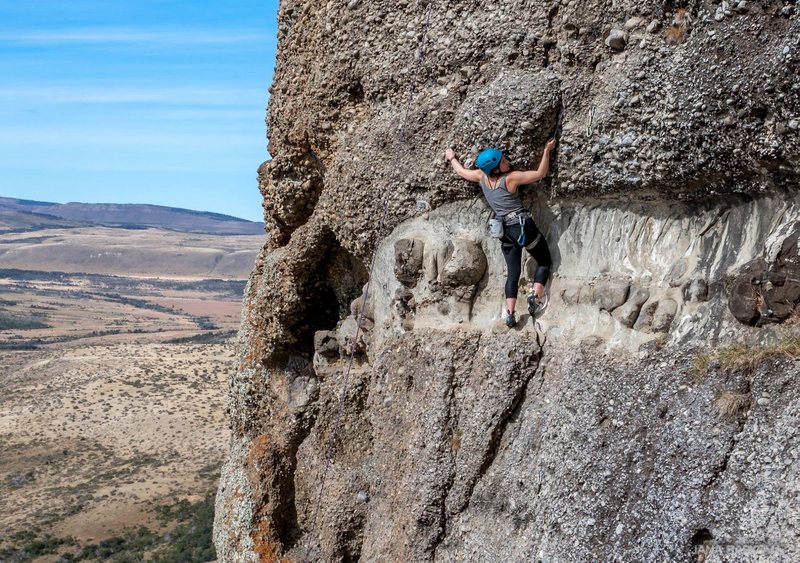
(325, 343)
(617, 39)
(408, 260)
(674, 174)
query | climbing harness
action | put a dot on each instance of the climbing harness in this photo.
(531, 245)
(516, 216)
(520, 217)
(399, 142)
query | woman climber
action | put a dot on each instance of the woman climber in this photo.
(500, 186)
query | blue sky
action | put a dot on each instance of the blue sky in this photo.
(136, 101)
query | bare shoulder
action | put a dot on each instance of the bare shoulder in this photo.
(519, 178)
(516, 176)
(513, 180)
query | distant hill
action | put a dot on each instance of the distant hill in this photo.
(25, 215)
(148, 252)
(15, 220)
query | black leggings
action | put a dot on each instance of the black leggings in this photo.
(513, 255)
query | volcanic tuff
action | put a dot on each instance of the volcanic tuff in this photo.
(622, 425)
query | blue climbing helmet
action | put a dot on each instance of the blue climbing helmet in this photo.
(489, 159)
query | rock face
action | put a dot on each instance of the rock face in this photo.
(594, 432)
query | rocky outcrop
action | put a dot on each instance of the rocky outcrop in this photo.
(766, 290)
(593, 432)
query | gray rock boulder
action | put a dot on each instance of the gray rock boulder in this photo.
(644, 321)
(463, 264)
(628, 313)
(326, 343)
(663, 315)
(608, 295)
(744, 301)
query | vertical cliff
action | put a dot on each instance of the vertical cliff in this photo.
(649, 414)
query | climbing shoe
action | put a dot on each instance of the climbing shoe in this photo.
(536, 304)
(511, 321)
(532, 304)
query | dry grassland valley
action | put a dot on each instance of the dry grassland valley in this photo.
(115, 345)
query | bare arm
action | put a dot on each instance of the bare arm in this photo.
(522, 177)
(469, 175)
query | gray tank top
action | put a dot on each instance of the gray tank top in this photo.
(500, 199)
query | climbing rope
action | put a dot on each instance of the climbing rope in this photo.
(399, 142)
